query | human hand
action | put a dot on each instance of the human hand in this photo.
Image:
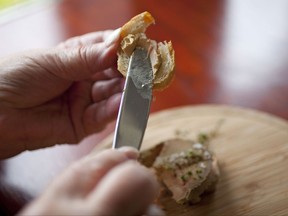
(59, 95)
(106, 184)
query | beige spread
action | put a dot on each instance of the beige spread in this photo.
(131, 41)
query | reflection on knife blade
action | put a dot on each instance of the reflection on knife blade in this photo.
(135, 103)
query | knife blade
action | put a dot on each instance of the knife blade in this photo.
(135, 102)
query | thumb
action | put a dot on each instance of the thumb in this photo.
(82, 62)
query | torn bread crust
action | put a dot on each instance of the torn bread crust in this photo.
(137, 24)
(161, 54)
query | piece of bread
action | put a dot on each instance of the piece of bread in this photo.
(185, 168)
(161, 54)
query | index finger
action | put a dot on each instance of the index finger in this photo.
(81, 177)
(86, 39)
(128, 189)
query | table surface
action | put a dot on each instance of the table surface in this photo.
(227, 52)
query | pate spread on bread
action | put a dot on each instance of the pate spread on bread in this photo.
(161, 54)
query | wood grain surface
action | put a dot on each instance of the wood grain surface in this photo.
(252, 149)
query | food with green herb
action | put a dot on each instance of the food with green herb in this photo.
(186, 168)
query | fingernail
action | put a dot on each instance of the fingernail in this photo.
(113, 38)
(130, 152)
(154, 210)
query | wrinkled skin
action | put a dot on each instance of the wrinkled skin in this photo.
(61, 95)
(110, 183)
(58, 95)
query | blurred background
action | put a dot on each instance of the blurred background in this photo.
(4, 4)
(230, 52)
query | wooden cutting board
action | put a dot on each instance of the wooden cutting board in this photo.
(252, 149)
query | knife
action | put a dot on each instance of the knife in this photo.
(135, 102)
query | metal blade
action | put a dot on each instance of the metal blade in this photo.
(135, 103)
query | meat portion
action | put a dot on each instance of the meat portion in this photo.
(187, 169)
